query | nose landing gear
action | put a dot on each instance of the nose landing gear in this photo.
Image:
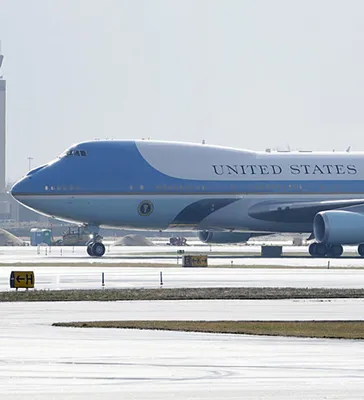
(95, 247)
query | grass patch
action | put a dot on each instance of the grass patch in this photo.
(237, 293)
(311, 329)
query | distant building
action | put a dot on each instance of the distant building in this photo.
(2, 130)
(5, 209)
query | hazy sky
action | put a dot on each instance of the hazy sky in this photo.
(246, 73)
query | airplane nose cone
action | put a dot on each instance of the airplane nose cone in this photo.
(32, 183)
(17, 189)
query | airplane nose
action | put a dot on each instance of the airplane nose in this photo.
(29, 184)
(17, 189)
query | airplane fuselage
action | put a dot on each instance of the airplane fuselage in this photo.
(165, 185)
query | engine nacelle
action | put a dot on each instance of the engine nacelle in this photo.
(339, 227)
(224, 237)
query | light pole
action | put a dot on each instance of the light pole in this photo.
(30, 162)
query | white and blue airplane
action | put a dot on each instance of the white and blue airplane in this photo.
(226, 194)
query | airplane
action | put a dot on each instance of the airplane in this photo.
(226, 194)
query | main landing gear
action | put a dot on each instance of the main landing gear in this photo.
(330, 250)
(95, 247)
(361, 250)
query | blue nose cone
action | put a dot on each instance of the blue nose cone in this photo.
(26, 192)
(22, 192)
(19, 188)
(30, 184)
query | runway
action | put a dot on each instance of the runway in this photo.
(38, 361)
(69, 268)
(219, 256)
(136, 277)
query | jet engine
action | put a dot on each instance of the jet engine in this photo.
(224, 237)
(339, 227)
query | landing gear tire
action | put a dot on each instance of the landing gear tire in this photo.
(361, 250)
(317, 249)
(89, 249)
(321, 250)
(312, 249)
(96, 249)
(335, 250)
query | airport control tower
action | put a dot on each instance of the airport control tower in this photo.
(2, 127)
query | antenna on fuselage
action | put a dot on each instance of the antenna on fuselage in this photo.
(348, 149)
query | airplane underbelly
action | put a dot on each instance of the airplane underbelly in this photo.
(158, 212)
(132, 211)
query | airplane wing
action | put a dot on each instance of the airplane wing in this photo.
(298, 212)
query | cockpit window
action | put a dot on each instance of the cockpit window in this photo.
(78, 153)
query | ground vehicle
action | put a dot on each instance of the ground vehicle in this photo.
(177, 241)
(74, 237)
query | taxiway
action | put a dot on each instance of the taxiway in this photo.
(135, 277)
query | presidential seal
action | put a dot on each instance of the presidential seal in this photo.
(145, 208)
